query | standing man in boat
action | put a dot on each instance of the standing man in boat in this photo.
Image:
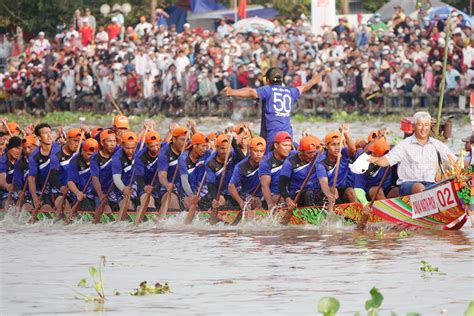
(245, 182)
(270, 167)
(21, 168)
(7, 164)
(326, 167)
(192, 168)
(78, 175)
(418, 157)
(277, 102)
(101, 168)
(40, 163)
(294, 171)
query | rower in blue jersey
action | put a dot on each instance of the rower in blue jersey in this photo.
(122, 169)
(214, 169)
(167, 164)
(294, 172)
(192, 168)
(21, 170)
(79, 174)
(365, 185)
(244, 184)
(101, 168)
(270, 167)
(63, 158)
(146, 163)
(325, 168)
(7, 164)
(277, 102)
(41, 162)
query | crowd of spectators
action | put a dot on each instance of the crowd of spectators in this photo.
(154, 68)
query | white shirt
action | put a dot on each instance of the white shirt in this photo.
(417, 162)
(142, 27)
(41, 45)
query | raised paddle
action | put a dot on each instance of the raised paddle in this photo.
(365, 217)
(37, 207)
(213, 219)
(103, 204)
(123, 210)
(336, 174)
(165, 206)
(192, 210)
(285, 218)
(75, 207)
(8, 129)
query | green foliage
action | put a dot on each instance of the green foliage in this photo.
(145, 289)
(426, 267)
(405, 233)
(82, 282)
(470, 309)
(375, 301)
(380, 233)
(413, 314)
(328, 306)
(96, 275)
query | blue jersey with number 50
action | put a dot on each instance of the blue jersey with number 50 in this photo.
(277, 102)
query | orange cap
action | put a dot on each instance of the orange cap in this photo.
(90, 145)
(106, 133)
(179, 131)
(212, 136)
(129, 137)
(95, 131)
(380, 147)
(240, 129)
(12, 126)
(331, 136)
(308, 143)
(152, 137)
(74, 133)
(199, 138)
(258, 142)
(29, 139)
(121, 121)
(222, 139)
(372, 136)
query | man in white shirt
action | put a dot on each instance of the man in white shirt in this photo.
(143, 27)
(182, 61)
(418, 157)
(102, 38)
(41, 44)
(141, 62)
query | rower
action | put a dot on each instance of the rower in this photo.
(7, 163)
(243, 137)
(78, 175)
(245, 182)
(295, 170)
(145, 168)
(122, 168)
(101, 167)
(214, 168)
(167, 163)
(21, 168)
(40, 163)
(120, 126)
(366, 184)
(192, 168)
(270, 167)
(63, 157)
(277, 102)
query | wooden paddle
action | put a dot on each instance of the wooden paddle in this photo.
(75, 207)
(336, 170)
(37, 207)
(213, 219)
(365, 217)
(164, 207)
(285, 219)
(239, 216)
(144, 207)
(8, 129)
(192, 210)
(103, 204)
(21, 198)
(123, 210)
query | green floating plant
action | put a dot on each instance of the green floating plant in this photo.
(426, 267)
(145, 289)
(98, 284)
(470, 309)
(328, 306)
(372, 306)
(405, 233)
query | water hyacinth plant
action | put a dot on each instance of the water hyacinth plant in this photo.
(96, 275)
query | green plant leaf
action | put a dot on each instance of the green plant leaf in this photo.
(393, 314)
(93, 272)
(82, 282)
(375, 301)
(470, 309)
(328, 306)
(413, 314)
(357, 314)
(98, 287)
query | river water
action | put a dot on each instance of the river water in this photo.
(250, 269)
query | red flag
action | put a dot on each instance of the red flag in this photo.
(242, 12)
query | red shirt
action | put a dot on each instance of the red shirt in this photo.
(113, 30)
(87, 34)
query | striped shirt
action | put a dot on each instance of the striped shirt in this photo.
(418, 162)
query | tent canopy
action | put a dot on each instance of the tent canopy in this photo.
(444, 11)
(409, 6)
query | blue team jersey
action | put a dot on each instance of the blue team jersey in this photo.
(63, 160)
(101, 167)
(79, 172)
(20, 173)
(270, 166)
(40, 165)
(297, 170)
(372, 178)
(7, 167)
(145, 168)
(123, 166)
(326, 169)
(168, 161)
(245, 178)
(277, 102)
(194, 170)
(214, 171)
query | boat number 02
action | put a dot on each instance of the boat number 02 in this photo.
(281, 102)
(445, 197)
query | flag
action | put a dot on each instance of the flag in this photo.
(242, 12)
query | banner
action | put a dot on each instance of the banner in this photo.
(438, 199)
(323, 12)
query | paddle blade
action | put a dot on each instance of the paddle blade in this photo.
(286, 217)
(191, 213)
(123, 210)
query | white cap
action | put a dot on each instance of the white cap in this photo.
(41, 33)
(457, 30)
(186, 25)
(114, 19)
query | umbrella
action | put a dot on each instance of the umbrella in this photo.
(444, 11)
(252, 24)
(409, 7)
